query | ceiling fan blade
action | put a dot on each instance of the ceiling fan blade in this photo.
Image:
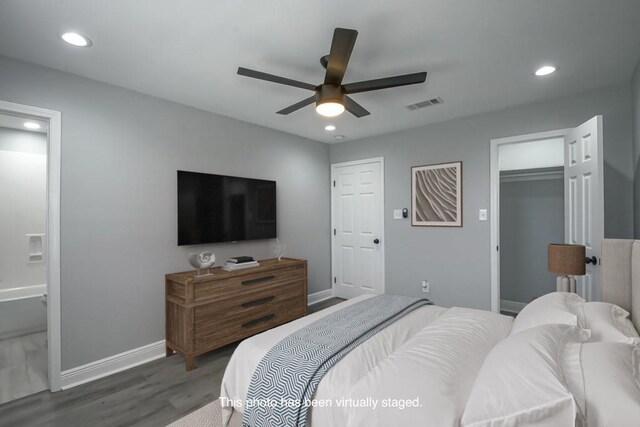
(298, 105)
(387, 82)
(354, 108)
(341, 48)
(275, 79)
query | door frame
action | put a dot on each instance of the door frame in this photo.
(382, 244)
(495, 202)
(54, 118)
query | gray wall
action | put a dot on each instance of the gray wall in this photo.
(531, 217)
(635, 94)
(120, 153)
(457, 260)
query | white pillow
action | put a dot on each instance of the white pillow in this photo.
(612, 383)
(608, 322)
(556, 307)
(521, 380)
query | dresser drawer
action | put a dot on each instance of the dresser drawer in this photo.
(247, 304)
(249, 283)
(217, 326)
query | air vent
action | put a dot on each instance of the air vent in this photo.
(427, 103)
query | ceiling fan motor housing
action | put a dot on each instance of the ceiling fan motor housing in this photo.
(329, 93)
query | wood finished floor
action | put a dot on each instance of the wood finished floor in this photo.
(154, 394)
(23, 366)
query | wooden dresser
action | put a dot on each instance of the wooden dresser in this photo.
(206, 313)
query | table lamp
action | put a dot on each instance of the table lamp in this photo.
(566, 260)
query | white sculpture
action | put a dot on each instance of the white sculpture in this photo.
(203, 260)
(279, 249)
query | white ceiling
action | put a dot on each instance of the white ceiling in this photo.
(480, 54)
(15, 122)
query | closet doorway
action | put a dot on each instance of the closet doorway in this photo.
(545, 188)
(531, 217)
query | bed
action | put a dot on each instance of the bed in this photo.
(455, 366)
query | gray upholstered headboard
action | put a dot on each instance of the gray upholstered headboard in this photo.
(621, 275)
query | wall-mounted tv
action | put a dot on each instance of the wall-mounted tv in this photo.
(218, 208)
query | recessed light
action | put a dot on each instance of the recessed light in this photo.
(545, 70)
(329, 128)
(339, 137)
(31, 125)
(76, 39)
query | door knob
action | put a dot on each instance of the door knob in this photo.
(376, 241)
(593, 260)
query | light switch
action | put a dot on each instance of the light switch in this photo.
(482, 215)
(397, 214)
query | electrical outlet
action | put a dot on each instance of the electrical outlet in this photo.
(397, 214)
(426, 286)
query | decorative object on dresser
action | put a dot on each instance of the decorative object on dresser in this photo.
(567, 260)
(206, 313)
(241, 259)
(279, 249)
(436, 195)
(203, 260)
(240, 262)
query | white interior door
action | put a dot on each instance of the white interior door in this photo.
(357, 228)
(584, 199)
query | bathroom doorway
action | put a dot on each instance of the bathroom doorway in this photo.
(29, 251)
(23, 274)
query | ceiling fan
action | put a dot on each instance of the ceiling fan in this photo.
(331, 97)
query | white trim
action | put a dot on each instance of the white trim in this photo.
(495, 203)
(334, 166)
(359, 162)
(54, 147)
(511, 306)
(22, 292)
(113, 364)
(320, 296)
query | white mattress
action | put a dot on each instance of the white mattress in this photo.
(433, 355)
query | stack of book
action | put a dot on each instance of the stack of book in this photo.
(240, 262)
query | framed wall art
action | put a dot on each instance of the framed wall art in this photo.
(436, 195)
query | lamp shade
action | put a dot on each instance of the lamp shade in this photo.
(566, 259)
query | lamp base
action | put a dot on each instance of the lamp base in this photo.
(566, 284)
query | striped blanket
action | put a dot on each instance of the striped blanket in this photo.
(286, 378)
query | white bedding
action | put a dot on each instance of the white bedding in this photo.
(433, 354)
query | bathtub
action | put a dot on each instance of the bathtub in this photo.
(22, 311)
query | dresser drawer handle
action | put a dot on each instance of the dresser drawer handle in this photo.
(258, 301)
(258, 280)
(258, 321)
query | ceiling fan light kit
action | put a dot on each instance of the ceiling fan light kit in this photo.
(331, 97)
(329, 100)
(329, 108)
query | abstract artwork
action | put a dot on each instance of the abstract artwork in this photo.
(436, 195)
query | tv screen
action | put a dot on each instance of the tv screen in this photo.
(218, 208)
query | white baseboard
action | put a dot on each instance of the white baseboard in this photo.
(511, 306)
(138, 356)
(112, 364)
(319, 296)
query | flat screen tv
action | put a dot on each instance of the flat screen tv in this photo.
(218, 208)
